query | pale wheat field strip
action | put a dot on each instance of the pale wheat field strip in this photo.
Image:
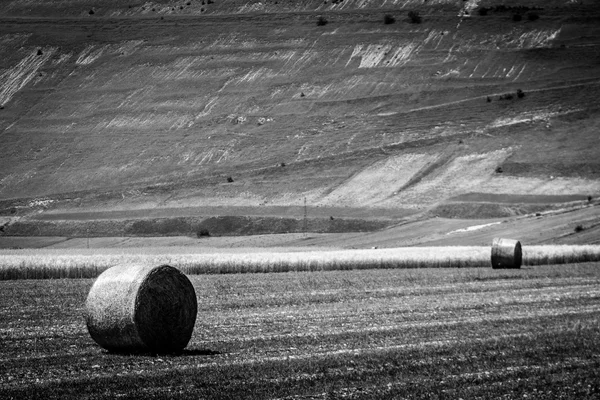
(89, 263)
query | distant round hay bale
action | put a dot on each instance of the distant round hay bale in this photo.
(139, 308)
(506, 253)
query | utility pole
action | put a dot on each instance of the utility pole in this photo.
(305, 215)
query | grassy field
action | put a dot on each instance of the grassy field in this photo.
(89, 263)
(395, 333)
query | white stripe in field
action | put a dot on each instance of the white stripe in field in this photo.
(530, 116)
(473, 228)
(15, 78)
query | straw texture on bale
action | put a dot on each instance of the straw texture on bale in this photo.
(506, 253)
(137, 308)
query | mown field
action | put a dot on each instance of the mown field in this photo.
(381, 333)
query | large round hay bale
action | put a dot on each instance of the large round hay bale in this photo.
(506, 253)
(139, 308)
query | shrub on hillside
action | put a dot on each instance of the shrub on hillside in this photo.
(322, 21)
(229, 179)
(414, 17)
(578, 228)
(389, 19)
(517, 17)
(483, 11)
(202, 233)
(520, 93)
(533, 16)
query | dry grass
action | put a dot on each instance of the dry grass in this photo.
(84, 263)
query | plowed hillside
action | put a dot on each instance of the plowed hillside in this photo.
(116, 105)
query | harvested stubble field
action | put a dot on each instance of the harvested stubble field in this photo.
(412, 333)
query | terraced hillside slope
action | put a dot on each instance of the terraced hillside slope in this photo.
(472, 112)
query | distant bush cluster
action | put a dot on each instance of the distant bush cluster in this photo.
(203, 233)
(414, 17)
(508, 96)
(389, 19)
(322, 21)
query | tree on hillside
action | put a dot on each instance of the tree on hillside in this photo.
(322, 21)
(414, 17)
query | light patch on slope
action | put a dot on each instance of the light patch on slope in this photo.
(473, 228)
(539, 186)
(516, 39)
(251, 7)
(92, 52)
(62, 59)
(536, 38)
(459, 176)
(468, 7)
(378, 181)
(208, 107)
(15, 78)
(215, 154)
(254, 75)
(169, 121)
(127, 48)
(530, 116)
(232, 40)
(382, 55)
